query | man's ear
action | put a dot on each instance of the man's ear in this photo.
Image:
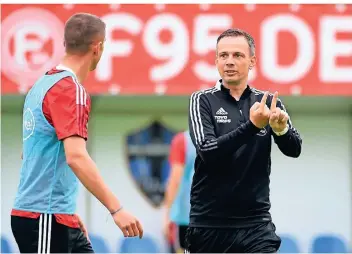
(253, 62)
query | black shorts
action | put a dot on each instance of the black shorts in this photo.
(256, 239)
(45, 235)
(180, 237)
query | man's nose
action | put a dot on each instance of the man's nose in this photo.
(230, 61)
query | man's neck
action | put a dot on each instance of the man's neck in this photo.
(237, 90)
(78, 65)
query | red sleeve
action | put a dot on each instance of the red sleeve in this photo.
(177, 150)
(66, 107)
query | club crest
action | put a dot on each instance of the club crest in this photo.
(147, 154)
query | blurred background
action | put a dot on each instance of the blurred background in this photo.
(155, 56)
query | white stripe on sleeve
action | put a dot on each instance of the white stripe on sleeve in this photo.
(196, 119)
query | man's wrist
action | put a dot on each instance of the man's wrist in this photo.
(254, 129)
(116, 211)
(281, 133)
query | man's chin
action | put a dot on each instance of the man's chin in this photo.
(232, 82)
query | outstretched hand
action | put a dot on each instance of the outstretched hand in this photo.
(259, 113)
(278, 117)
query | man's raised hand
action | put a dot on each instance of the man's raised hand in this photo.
(278, 118)
(259, 113)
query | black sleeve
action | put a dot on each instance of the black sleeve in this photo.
(290, 143)
(201, 127)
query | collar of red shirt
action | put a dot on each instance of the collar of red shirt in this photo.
(65, 68)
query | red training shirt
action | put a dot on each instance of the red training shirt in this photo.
(177, 149)
(66, 106)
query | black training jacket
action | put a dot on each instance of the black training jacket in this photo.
(231, 181)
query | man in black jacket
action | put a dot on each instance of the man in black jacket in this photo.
(231, 126)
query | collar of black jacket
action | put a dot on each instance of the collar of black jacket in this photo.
(244, 95)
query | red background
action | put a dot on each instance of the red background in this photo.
(131, 73)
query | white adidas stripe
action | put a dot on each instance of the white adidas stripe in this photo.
(45, 232)
(49, 233)
(81, 94)
(195, 114)
(44, 236)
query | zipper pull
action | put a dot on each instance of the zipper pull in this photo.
(241, 111)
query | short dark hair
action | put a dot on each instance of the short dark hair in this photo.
(80, 31)
(235, 32)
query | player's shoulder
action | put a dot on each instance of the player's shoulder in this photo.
(67, 88)
(67, 83)
(207, 92)
(257, 92)
(178, 141)
(179, 137)
(64, 83)
(64, 89)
